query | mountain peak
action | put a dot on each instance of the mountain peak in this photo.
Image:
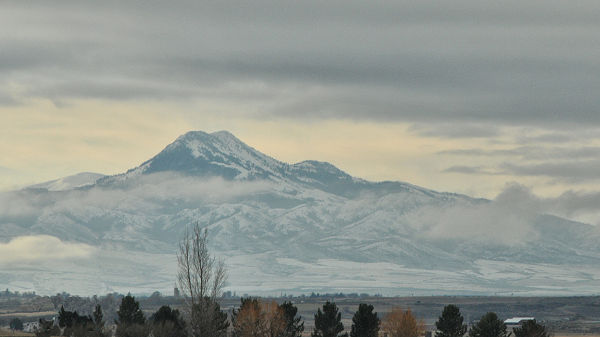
(224, 134)
(221, 154)
(197, 141)
(213, 154)
(221, 135)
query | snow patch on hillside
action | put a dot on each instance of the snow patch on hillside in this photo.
(70, 182)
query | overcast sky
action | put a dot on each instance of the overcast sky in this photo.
(462, 96)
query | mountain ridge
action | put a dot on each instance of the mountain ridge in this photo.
(77, 180)
(222, 154)
(307, 226)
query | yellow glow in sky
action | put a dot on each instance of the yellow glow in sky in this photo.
(40, 141)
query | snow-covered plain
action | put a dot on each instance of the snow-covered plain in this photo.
(293, 228)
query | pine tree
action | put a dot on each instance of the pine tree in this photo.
(294, 325)
(98, 318)
(328, 323)
(74, 324)
(46, 329)
(209, 319)
(167, 322)
(130, 312)
(365, 322)
(131, 321)
(489, 326)
(531, 329)
(64, 317)
(450, 323)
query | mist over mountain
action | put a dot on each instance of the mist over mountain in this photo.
(68, 183)
(284, 227)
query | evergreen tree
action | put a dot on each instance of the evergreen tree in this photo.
(209, 320)
(98, 318)
(16, 324)
(365, 322)
(129, 311)
(46, 329)
(131, 320)
(64, 317)
(328, 323)
(294, 325)
(450, 323)
(74, 324)
(167, 322)
(489, 326)
(531, 329)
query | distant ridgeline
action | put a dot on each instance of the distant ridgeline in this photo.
(288, 228)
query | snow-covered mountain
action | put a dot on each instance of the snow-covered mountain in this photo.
(291, 228)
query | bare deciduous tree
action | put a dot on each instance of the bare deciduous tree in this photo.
(201, 279)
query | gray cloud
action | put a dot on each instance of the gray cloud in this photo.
(571, 163)
(6, 170)
(577, 205)
(423, 62)
(576, 171)
(465, 130)
(468, 170)
(565, 171)
(532, 152)
(554, 137)
(510, 216)
(145, 192)
(574, 204)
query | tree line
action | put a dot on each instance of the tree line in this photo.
(260, 318)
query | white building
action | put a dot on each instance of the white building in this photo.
(31, 327)
(516, 322)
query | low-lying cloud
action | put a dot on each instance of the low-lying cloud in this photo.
(509, 219)
(152, 193)
(41, 248)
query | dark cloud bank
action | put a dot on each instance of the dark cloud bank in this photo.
(485, 64)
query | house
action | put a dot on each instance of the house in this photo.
(31, 327)
(516, 322)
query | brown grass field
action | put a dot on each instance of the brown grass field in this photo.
(4, 332)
